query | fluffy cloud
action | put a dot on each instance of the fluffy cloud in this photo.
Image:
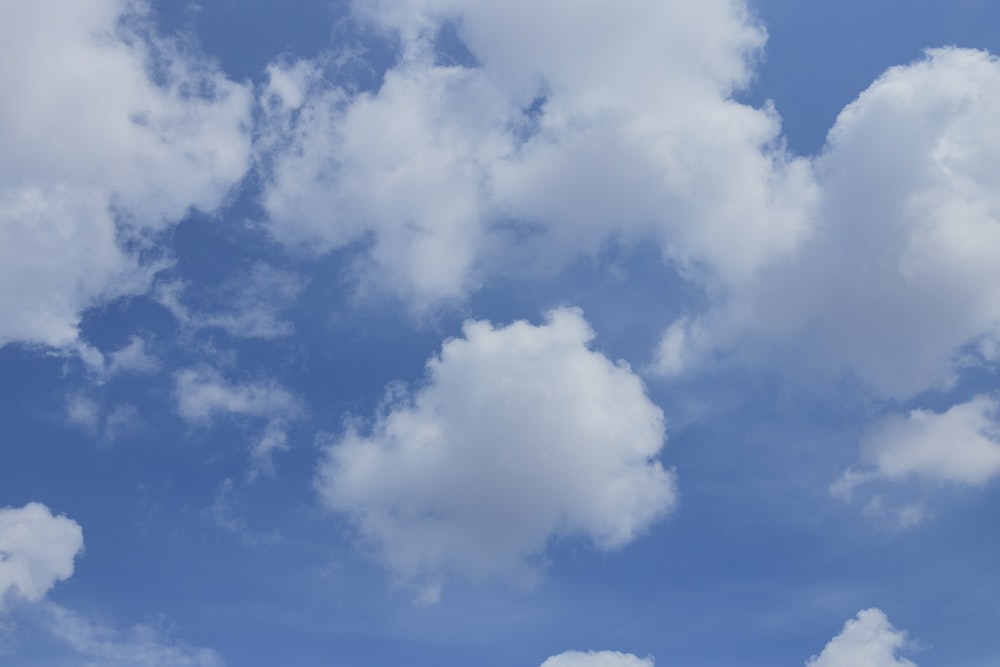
(869, 640)
(571, 126)
(899, 277)
(597, 659)
(110, 133)
(37, 550)
(961, 444)
(520, 434)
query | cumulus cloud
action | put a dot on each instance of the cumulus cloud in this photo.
(566, 128)
(140, 646)
(898, 284)
(110, 134)
(521, 434)
(597, 659)
(203, 394)
(868, 640)
(960, 445)
(37, 551)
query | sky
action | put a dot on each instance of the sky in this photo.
(534, 334)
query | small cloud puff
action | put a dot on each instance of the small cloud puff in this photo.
(597, 659)
(521, 434)
(958, 446)
(37, 550)
(203, 394)
(868, 640)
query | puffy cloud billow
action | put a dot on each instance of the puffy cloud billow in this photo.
(521, 434)
(960, 445)
(897, 283)
(37, 550)
(110, 133)
(868, 640)
(565, 128)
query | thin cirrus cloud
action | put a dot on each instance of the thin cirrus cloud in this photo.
(203, 394)
(521, 434)
(139, 646)
(253, 303)
(104, 146)
(553, 142)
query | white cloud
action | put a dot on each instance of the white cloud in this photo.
(132, 358)
(597, 659)
(959, 445)
(140, 646)
(37, 551)
(254, 301)
(900, 273)
(521, 434)
(84, 412)
(578, 125)
(110, 134)
(869, 640)
(203, 394)
(273, 439)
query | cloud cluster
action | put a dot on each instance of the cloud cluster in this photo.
(898, 283)
(561, 129)
(110, 133)
(521, 434)
(37, 550)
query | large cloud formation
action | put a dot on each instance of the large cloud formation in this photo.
(563, 128)
(897, 286)
(899, 275)
(37, 551)
(109, 133)
(521, 434)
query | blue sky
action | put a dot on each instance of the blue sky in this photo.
(541, 334)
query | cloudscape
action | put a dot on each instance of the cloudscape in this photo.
(538, 334)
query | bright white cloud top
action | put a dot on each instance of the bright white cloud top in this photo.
(521, 434)
(229, 230)
(897, 274)
(110, 133)
(37, 550)
(597, 659)
(960, 445)
(869, 640)
(554, 140)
